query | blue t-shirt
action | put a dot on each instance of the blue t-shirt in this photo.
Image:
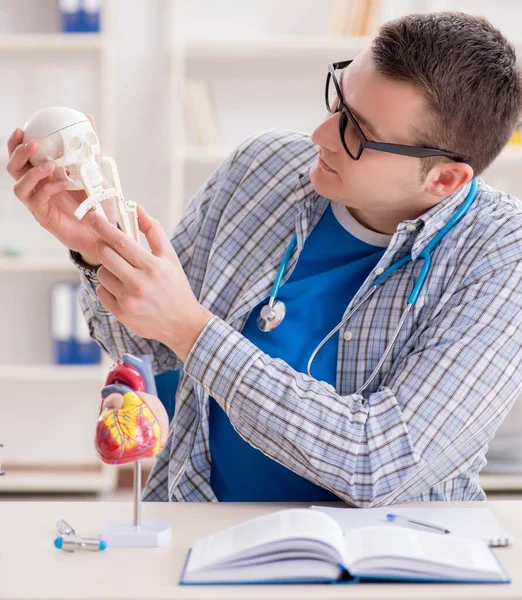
(336, 258)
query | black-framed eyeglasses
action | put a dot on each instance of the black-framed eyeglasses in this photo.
(353, 137)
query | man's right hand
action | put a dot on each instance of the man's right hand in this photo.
(48, 200)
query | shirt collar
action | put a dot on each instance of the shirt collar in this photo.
(426, 225)
(434, 219)
(305, 193)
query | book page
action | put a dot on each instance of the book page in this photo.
(262, 531)
(298, 571)
(454, 553)
(478, 523)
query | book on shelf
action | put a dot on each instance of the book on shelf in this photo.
(353, 17)
(200, 113)
(72, 342)
(309, 546)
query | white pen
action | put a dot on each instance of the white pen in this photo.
(393, 518)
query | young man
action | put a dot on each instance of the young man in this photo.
(412, 120)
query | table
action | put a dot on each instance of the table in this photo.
(30, 567)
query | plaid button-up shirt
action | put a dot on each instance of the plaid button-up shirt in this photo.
(421, 429)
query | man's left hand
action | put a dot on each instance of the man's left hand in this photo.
(148, 292)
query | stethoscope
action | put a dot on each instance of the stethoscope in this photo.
(274, 312)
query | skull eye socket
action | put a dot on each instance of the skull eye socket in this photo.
(91, 138)
(74, 143)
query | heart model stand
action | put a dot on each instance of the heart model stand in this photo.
(126, 435)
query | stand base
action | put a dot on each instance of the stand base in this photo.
(123, 533)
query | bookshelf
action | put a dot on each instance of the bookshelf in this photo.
(36, 264)
(318, 48)
(43, 42)
(73, 480)
(219, 53)
(273, 49)
(223, 56)
(55, 453)
(492, 483)
(67, 374)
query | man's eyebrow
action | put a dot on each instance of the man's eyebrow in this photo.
(358, 116)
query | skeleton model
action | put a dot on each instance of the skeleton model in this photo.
(66, 137)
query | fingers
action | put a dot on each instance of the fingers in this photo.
(20, 154)
(15, 140)
(108, 301)
(39, 203)
(120, 242)
(26, 185)
(110, 282)
(114, 263)
(156, 237)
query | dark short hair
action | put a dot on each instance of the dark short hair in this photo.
(468, 73)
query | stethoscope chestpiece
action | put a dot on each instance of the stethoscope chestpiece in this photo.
(271, 316)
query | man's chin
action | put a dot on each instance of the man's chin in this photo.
(322, 181)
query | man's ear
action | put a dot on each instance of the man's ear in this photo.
(446, 178)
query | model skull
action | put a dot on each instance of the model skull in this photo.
(67, 138)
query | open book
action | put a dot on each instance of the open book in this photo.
(302, 545)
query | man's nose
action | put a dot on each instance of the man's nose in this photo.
(326, 134)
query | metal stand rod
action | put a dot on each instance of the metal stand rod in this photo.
(137, 493)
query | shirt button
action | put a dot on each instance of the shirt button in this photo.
(347, 335)
(379, 270)
(411, 227)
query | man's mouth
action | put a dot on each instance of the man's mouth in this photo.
(325, 166)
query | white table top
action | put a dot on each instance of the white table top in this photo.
(30, 566)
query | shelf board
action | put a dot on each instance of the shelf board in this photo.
(501, 483)
(275, 48)
(81, 479)
(37, 263)
(53, 373)
(53, 41)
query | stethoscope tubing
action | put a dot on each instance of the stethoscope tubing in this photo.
(425, 255)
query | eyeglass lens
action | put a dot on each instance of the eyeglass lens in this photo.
(351, 137)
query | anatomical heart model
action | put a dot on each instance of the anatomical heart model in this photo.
(132, 423)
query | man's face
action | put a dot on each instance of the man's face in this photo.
(386, 111)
